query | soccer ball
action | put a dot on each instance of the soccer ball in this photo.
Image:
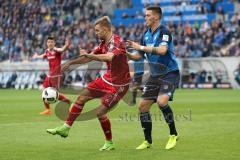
(50, 95)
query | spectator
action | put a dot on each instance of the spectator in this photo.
(23, 30)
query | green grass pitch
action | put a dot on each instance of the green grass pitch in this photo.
(208, 122)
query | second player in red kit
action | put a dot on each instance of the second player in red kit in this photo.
(54, 77)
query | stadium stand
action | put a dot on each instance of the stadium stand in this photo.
(201, 28)
(210, 24)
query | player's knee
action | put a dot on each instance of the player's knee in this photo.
(100, 115)
(143, 108)
(81, 100)
(162, 102)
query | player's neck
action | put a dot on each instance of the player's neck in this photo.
(108, 38)
(51, 49)
(155, 26)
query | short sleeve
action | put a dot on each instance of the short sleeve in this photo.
(57, 52)
(118, 48)
(165, 38)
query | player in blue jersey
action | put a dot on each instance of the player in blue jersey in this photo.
(157, 46)
(137, 79)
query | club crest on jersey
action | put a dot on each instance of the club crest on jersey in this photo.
(165, 37)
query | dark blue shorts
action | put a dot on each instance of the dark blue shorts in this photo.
(164, 84)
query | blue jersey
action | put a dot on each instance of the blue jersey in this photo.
(160, 64)
(138, 67)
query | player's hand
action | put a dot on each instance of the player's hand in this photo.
(68, 43)
(35, 56)
(82, 51)
(128, 54)
(133, 45)
(90, 55)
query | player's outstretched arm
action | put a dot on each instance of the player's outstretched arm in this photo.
(38, 56)
(80, 60)
(64, 48)
(101, 57)
(98, 57)
(160, 50)
(134, 57)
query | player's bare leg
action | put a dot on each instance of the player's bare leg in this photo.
(106, 127)
(75, 111)
(47, 110)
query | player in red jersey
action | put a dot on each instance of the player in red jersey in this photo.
(111, 87)
(53, 55)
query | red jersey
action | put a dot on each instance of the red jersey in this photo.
(118, 69)
(54, 59)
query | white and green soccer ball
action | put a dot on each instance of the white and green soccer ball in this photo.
(50, 95)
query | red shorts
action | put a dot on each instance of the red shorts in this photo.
(110, 95)
(54, 82)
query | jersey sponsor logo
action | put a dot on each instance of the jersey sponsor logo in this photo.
(165, 37)
(51, 57)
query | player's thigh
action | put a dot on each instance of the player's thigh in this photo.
(168, 84)
(84, 96)
(112, 98)
(145, 105)
(98, 88)
(151, 89)
(55, 81)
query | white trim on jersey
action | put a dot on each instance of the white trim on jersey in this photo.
(59, 75)
(116, 85)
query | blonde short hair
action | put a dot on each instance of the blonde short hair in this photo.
(104, 21)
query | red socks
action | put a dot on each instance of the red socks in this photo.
(106, 127)
(73, 114)
(76, 111)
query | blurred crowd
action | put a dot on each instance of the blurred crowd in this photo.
(216, 39)
(24, 27)
(203, 76)
(211, 77)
